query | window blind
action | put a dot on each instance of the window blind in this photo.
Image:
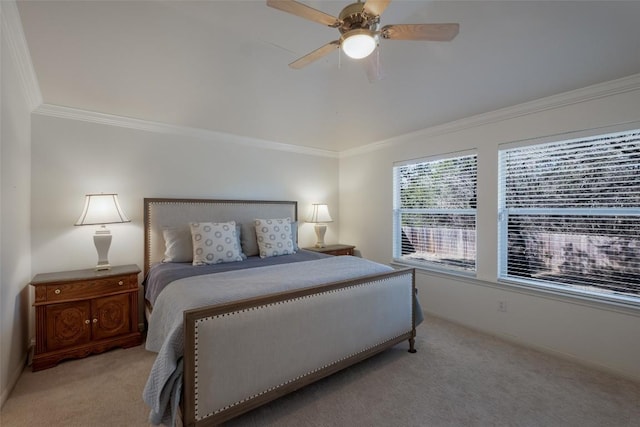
(435, 212)
(569, 214)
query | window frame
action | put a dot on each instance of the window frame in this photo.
(572, 291)
(398, 211)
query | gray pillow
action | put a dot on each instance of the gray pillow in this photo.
(178, 244)
(248, 240)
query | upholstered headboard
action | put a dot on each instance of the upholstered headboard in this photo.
(165, 212)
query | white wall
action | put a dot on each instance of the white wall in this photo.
(73, 157)
(592, 333)
(49, 163)
(15, 265)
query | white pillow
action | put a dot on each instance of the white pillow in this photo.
(274, 237)
(214, 242)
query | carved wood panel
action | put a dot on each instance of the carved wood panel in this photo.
(67, 324)
(110, 316)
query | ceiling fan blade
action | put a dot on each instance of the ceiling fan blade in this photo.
(428, 32)
(304, 11)
(376, 7)
(315, 55)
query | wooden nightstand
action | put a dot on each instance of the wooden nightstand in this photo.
(334, 249)
(82, 312)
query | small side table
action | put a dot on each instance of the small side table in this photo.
(334, 249)
(84, 311)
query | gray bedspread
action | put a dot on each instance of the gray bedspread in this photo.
(161, 274)
(165, 335)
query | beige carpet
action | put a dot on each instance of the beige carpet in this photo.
(458, 378)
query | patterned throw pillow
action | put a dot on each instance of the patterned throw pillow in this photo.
(274, 237)
(249, 242)
(214, 243)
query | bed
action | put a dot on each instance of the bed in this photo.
(235, 334)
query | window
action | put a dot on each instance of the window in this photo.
(569, 215)
(435, 213)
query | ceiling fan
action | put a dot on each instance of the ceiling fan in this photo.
(359, 26)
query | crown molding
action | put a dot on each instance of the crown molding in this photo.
(157, 127)
(600, 90)
(19, 50)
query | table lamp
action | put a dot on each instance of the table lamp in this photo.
(320, 216)
(101, 209)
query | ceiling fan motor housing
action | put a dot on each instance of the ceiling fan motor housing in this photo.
(354, 17)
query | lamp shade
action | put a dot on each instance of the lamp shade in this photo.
(320, 214)
(358, 44)
(101, 209)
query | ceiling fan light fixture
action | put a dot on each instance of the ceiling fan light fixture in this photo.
(358, 44)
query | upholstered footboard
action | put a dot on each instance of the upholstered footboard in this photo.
(241, 355)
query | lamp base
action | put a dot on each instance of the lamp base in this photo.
(103, 266)
(102, 240)
(320, 230)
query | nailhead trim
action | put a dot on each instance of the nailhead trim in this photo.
(202, 320)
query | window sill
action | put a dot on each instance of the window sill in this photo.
(558, 293)
(566, 293)
(420, 266)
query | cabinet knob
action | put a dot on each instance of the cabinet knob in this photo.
(120, 283)
(57, 291)
(87, 321)
(95, 320)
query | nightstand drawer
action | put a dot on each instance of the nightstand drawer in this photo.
(88, 289)
(337, 252)
(334, 249)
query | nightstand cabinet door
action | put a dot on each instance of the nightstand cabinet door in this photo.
(67, 324)
(110, 316)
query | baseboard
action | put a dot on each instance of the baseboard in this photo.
(13, 380)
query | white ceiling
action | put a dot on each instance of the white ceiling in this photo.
(222, 65)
